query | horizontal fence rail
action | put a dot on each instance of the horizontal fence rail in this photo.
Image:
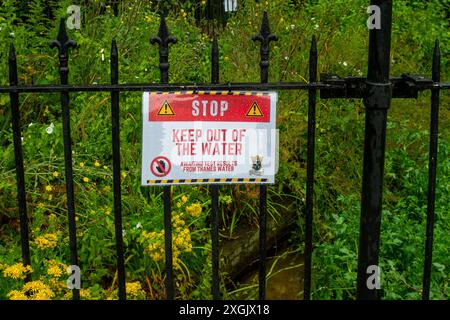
(377, 90)
(174, 87)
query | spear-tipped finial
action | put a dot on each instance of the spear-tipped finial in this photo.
(13, 79)
(265, 37)
(313, 60)
(313, 45)
(114, 52)
(12, 51)
(163, 40)
(436, 74)
(215, 61)
(63, 43)
(114, 64)
(264, 32)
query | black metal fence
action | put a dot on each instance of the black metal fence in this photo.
(376, 90)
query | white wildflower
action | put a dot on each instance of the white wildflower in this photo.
(49, 129)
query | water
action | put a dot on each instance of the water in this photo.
(284, 282)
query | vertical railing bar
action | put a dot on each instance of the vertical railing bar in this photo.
(18, 157)
(262, 241)
(377, 102)
(63, 43)
(214, 189)
(312, 95)
(163, 39)
(264, 37)
(432, 164)
(168, 241)
(115, 125)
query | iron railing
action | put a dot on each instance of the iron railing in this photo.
(377, 90)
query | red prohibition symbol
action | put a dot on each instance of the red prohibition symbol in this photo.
(160, 166)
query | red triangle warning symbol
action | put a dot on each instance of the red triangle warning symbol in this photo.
(166, 110)
(254, 110)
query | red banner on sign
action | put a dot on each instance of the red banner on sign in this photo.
(234, 106)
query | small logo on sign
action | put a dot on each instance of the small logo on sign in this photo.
(160, 166)
(166, 110)
(254, 110)
(257, 169)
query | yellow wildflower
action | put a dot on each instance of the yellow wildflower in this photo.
(54, 271)
(56, 174)
(96, 163)
(155, 256)
(85, 179)
(81, 164)
(46, 241)
(17, 295)
(194, 209)
(134, 290)
(48, 188)
(85, 294)
(37, 290)
(56, 268)
(17, 271)
(184, 199)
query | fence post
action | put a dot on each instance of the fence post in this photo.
(432, 164)
(312, 97)
(163, 39)
(215, 192)
(18, 156)
(115, 127)
(63, 43)
(264, 37)
(377, 102)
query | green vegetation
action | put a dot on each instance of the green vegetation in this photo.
(342, 43)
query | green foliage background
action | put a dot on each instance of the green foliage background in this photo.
(342, 42)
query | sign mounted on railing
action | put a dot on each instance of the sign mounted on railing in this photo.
(209, 137)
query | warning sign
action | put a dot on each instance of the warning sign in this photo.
(254, 110)
(160, 166)
(166, 110)
(209, 137)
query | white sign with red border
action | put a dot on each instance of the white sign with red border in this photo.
(209, 137)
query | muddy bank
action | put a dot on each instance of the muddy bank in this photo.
(284, 277)
(240, 255)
